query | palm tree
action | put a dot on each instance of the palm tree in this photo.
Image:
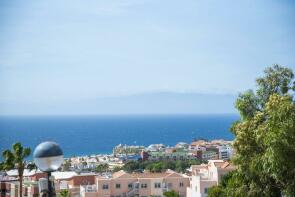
(15, 159)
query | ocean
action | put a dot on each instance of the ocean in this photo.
(85, 135)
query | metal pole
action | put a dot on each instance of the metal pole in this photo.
(49, 184)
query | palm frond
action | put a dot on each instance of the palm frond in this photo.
(31, 166)
(26, 152)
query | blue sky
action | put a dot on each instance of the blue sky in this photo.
(63, 51)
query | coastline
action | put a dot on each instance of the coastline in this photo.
(83, 135)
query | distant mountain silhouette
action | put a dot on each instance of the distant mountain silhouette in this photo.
(148, 103)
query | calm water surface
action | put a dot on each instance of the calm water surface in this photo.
(81, 135)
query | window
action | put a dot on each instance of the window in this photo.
(206, 190)
(143, 185)
(130, 186)
(180, 184)
(169, 185)
(137, 185)
(105, 186)
(157, 185)
(118, 186)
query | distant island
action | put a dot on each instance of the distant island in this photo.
(145, 103)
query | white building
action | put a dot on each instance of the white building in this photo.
(182, 145)
(205, 176)
(156, 147)
(225, 151)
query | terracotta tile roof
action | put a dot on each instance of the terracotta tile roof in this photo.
(199, 166)
(228, 165)
(219, 164)
(149, 175)
(122, 175)
(199, 142)
(225, 165)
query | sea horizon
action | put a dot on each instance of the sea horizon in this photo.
(116, 114)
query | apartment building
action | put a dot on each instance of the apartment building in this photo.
(209, 155)
(170, 155)
(71, 181)
(122, 184)
(205, 176)
(155, 147)
(225, 151)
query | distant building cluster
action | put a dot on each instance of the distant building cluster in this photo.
(80, 176)
(197, 150)
(200, 149)
(124, 149)
(89, 163)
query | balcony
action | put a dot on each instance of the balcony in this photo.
(88, 188)
(165, 187)
(133, 192)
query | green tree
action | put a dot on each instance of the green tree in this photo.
(131, 166)
(15, 159)
(276, 80)
(216, 191)
(277, 135)
(117, 168)
(265, 138)
(159, 166)
(102, 168)
(229, 186)
(169, 165)
(67, 165)
(65, 193)
(171, 194)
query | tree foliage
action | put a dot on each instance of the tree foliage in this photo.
(102, 168)
(65, 193)
(159, 166)
(265, 138)
(171, 194)
(116, 169)
(66, 165)
(15, 159)
(276, 80)
(216, 191)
